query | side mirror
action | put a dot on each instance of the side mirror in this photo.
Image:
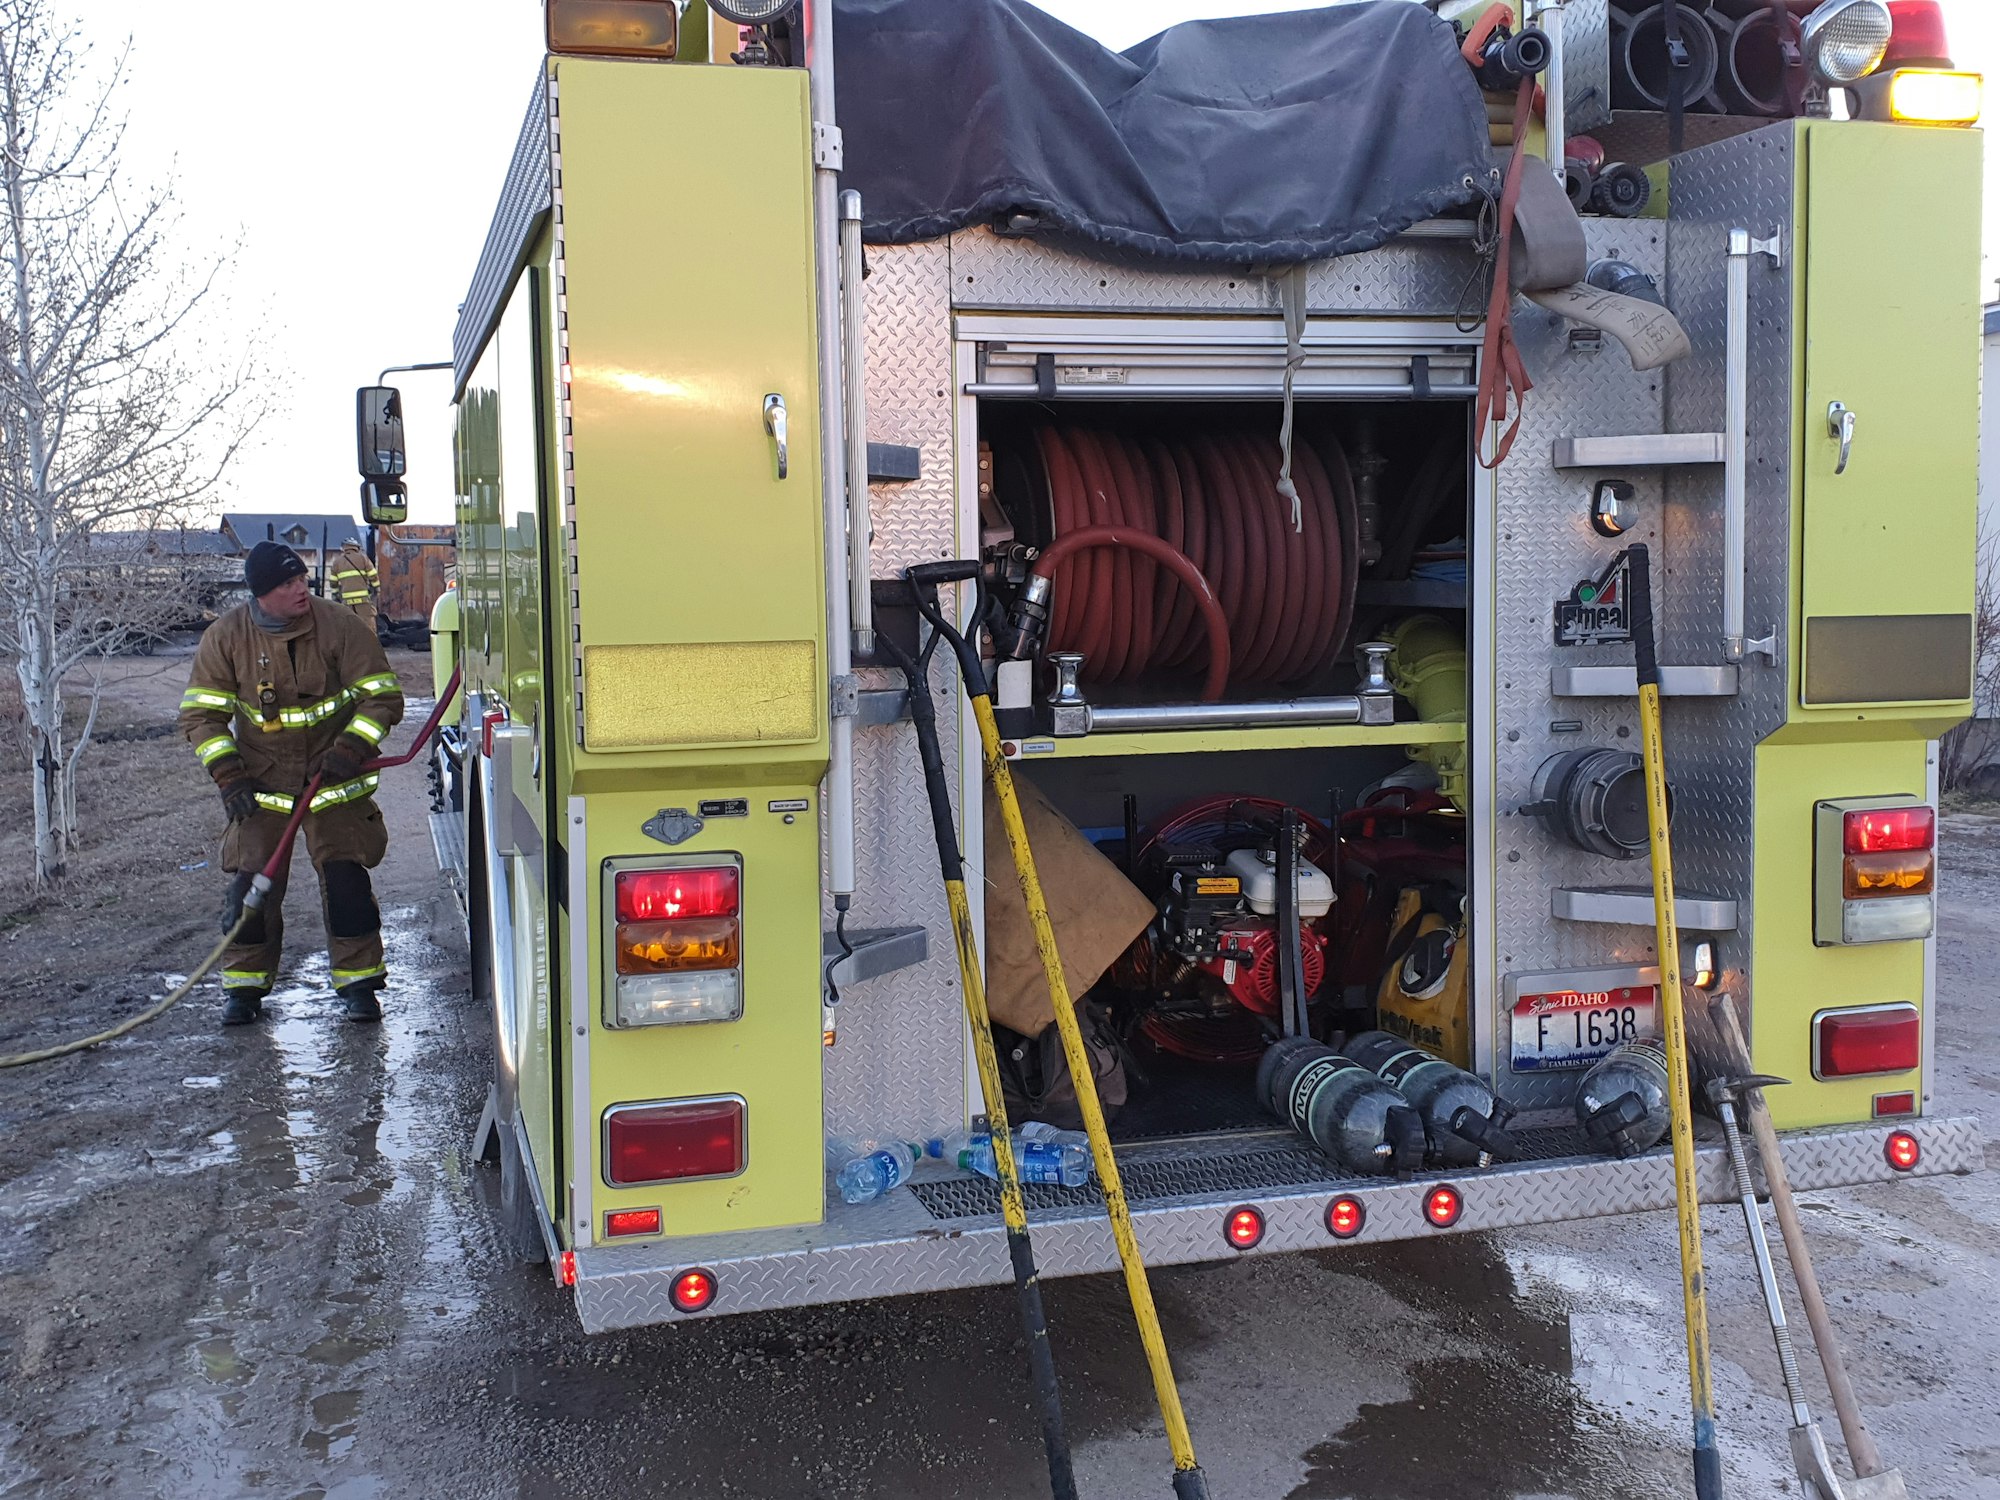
(384, 502)
(378, 431)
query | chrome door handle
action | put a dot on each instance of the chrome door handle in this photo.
(774, 423)
(1840, 424)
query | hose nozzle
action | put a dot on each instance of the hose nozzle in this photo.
(1505, 60)
(260, 887)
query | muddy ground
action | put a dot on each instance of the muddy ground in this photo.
(260, 1263)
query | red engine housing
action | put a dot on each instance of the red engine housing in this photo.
(1250, 971)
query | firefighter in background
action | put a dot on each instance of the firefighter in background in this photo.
(353, 582)
(283, 687)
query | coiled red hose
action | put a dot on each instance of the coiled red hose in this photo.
(1149, 546)
(1285, 593)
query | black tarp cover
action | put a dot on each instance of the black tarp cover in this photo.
(1257, 139)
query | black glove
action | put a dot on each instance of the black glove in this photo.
(238, 788)
(345, 760)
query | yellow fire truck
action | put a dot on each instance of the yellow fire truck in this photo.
(725, 372)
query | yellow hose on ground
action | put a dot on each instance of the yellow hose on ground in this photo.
(133, 1023)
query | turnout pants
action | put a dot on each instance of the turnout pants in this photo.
(345, 842)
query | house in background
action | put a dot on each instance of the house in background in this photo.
(311, 535)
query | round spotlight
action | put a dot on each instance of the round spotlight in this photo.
(753, 12)
(1243, 1228)
(693, 1290)
(1442, 1206)
(1901, 1151)
(1345, 1217)
(1845, 40)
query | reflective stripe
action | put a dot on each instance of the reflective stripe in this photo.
(357, 597)
(213, 750)
(203, 698)
(242, 978)
(349, 976)
(381, 682)
(332, 796)
(363, 727)
(300, 718)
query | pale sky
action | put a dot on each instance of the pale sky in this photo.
(357, 151)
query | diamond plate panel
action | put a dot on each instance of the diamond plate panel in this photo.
(1541, 543)
(899, 1065)
(1587, 64)
(893, 1247)
(1411, 276)
(1745, 183)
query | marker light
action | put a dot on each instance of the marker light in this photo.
(624, 1221)
(1442, 1206)
(1701, 972)
(1344, 1218)
(1927, 96)
(566, 1268)
(1901, 1151)
(1866, 1040)
(1243, 1228)
(613, 28)
(1918, 39)
(673, 1140)
(1890, 1105)
(693, 1290)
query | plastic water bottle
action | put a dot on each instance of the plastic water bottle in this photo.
(1041, 1130)
(1058, 1163)
(868, 1176)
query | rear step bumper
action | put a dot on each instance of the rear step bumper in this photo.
(946, 1233)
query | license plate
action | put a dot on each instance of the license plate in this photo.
(1568, 1029)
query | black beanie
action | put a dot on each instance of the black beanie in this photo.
(269, 565)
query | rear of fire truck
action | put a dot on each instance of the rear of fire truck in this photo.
(1390, 786)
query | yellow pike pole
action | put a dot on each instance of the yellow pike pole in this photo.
(1188, 1481)
(1687, 1203)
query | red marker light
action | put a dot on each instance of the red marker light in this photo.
(1889, 830)
(1442, 1206)
(693, 1290)
(631, 1221)
(566, 1269)
(1344, 1218)
(1901, 1151)
(655, 895)
(1904, 1103)
(1244, 1228)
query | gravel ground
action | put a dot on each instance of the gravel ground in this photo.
(260, 1263)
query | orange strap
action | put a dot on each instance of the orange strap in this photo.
(1502, 374)
(1497, 14)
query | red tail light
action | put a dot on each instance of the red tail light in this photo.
(1244, 1228)
(566, 1268)
(1868, 1039)
(673, 1141)
(1888, 830)
(693, 1290)
(1442, 1206)
(1344, 1218)
(655, 895)
(626, 1221)
(1918, 39)
(1901, 1151)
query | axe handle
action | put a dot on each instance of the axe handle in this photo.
(1860, 1444)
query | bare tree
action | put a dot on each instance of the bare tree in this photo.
(1972, 746)
(115, 416)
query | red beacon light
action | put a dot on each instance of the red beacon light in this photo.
(1442, 1206)
(1244, 1228)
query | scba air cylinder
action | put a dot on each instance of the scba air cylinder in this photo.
(1341, 1107)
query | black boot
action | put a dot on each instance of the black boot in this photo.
(358, 1002)
(241, 1006)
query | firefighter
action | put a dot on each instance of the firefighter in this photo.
(353, 582)
(283, 687)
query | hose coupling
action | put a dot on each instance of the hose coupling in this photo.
(1020, 639)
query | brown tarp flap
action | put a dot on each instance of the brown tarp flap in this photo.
(1095, 909)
